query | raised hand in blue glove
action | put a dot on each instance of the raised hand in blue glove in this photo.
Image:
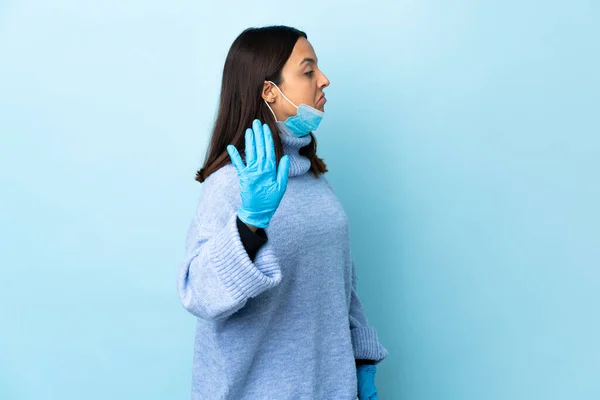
(263, 185)
(365, 374)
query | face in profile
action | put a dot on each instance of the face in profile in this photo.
(302, 82)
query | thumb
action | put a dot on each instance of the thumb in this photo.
(283, 172)
(236, 159)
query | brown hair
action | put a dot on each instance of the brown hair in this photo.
(256, 55)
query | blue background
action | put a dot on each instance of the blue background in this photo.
(462, 139)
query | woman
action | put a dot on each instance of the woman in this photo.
(269, 273)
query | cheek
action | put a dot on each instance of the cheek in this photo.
(309, 94)
(304, 92)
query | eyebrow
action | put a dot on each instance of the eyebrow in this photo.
(309, 60)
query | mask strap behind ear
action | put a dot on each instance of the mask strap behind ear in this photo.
(283, 94)
(274, 116)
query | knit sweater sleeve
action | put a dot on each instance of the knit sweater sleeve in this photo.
(365, 342)
(218, 276)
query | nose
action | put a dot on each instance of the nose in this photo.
(324, 81)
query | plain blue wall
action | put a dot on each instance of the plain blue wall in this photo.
(461, 137)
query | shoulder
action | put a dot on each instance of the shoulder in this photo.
(221, 188)
(221, 178)
(215, 204)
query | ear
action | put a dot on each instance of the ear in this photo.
(268, 92)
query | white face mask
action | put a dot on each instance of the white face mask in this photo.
(306, 120)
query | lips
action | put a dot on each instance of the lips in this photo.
(322, 98)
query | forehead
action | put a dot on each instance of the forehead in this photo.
(302, 49)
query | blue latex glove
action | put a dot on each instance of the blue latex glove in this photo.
(262, 184)
(365, 374)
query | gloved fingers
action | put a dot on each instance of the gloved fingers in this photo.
(259, 140)
(250, 148)
(236, 159)
(270, 146)
(283, 172)
(368, 393)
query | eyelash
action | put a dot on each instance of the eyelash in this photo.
(309, 73)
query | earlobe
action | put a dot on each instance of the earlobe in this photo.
(267, 92)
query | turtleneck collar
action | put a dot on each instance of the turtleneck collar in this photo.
(292, 144)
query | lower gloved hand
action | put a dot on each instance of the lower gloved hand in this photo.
(365, 375)
(262, 184)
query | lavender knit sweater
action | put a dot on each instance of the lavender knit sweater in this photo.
(289, 324)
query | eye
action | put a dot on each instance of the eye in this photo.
(309, 73)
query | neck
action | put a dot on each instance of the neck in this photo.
(292, 144)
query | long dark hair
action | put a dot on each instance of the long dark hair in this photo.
(256, 55)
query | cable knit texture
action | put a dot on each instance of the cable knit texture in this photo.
(290, 324)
